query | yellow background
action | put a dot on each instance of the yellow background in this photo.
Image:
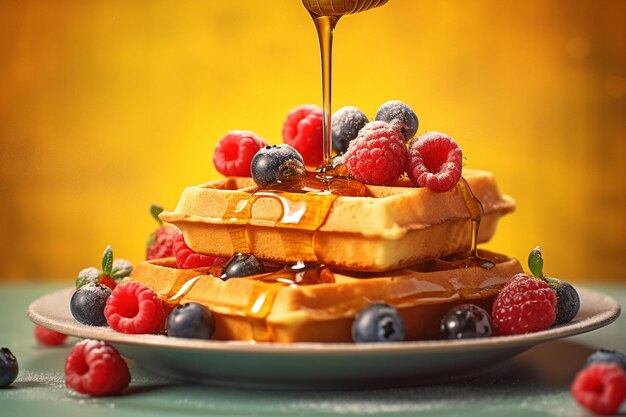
(108, 106)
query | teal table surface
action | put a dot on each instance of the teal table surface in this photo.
(535, 383)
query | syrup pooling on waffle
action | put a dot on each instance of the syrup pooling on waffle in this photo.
(304, 206)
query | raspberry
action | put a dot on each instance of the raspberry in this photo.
(235, 151)
(377, 155)
(161, 243)
(524, 305)
(47, 337)
(134, 309)
(96, 368)
(434, 161)
(188, 259)
(303, 131)
(600, 388)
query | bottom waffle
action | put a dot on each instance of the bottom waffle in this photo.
(317, 304)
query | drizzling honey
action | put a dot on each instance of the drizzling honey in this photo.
(476, 211)
(326, 14)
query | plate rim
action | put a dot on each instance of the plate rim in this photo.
(608, 315)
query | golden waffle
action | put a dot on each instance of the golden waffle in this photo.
(389, 228)
(319, 305)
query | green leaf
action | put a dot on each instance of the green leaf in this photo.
(535, 262)
(155, 210)
(107, 261)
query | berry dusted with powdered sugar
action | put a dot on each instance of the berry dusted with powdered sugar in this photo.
(135, 309)
(434, 161)
(346, 124)
(235, 151)
(378, 155)
(96, 368)
(397, 110)
(88, 302)
(303, 131)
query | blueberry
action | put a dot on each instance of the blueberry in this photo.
(567, 300)
(192, 321)
(277, 164)
(378, 323)
(466, 321)
(242, 265)
(397, 110)
(346, 123)
(88, 302)
(8, 367)
(87, 276)
(607, 356)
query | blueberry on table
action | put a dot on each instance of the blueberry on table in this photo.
(397, 110)
(277, 164)
(8, 367)
(192, 321)
(607, 356)
(345, 124)
(378, 323)
(466, 321)
(88, 302)
(242, 265)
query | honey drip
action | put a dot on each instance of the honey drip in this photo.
(476, 212)
(326, 14)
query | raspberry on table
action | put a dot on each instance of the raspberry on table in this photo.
(235, 151)
(346, 124)
(96, 368)
(188, 259)
(600, 388)
(524, 305)
(377, 155)
(47, 337)
(303, 131)
(135, 309)
(434, 161)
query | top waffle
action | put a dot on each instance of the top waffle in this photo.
(389, 228)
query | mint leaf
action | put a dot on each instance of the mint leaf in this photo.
(155, 210)
(107, 261)
(535, 262)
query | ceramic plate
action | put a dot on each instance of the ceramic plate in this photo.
(318, 365)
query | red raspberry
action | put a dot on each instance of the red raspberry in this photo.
(49, 337)
(135, 309)
(303, 131)
(107, 281)
(434, 161)
(600, 388)
(377, 155)
(188, 259)
(234, 152)
(96, 368)
(161, 243)
(524, 305)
